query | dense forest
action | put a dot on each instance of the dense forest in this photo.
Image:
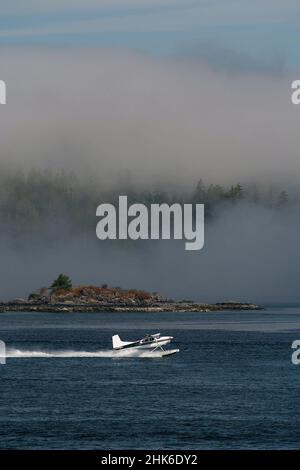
(30, 202)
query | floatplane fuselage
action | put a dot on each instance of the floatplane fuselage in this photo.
(153, 342)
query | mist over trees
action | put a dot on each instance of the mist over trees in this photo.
(48, 225)
(35, 201)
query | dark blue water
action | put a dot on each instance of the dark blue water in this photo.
(231, 386)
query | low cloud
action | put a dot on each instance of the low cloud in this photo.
(105, 112)
(250, 254)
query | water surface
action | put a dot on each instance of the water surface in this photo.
(231, 386)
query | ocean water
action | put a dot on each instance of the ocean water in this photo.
(232, 386)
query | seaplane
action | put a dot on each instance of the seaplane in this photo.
(154, 342)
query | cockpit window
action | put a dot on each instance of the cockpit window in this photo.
(148, 339)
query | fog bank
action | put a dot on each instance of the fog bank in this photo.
(108, 113)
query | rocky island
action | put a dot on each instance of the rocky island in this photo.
(63, 297)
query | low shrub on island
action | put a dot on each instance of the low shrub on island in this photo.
(62, 291)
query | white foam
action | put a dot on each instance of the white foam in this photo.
(18, 353)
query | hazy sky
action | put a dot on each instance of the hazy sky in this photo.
(161, 88)
(103, 112)
(265, 30)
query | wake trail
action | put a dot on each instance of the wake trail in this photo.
(19, 353)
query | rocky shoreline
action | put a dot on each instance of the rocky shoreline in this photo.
(167, 306)
(63, 297)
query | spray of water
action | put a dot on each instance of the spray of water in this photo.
(18, 353)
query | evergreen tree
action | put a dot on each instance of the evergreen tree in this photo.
(62, 282)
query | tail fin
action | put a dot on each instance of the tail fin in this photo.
(116, 342)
